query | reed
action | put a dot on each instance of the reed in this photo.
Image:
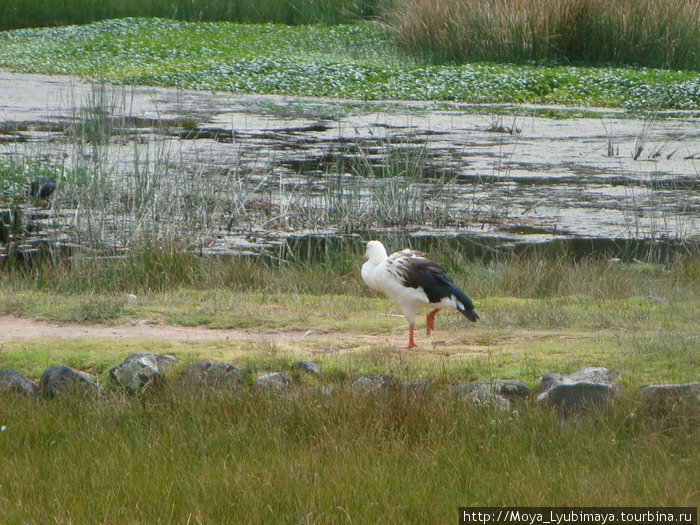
(643, 33)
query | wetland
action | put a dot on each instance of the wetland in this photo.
(229, 174)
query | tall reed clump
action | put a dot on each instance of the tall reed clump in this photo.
(637, 32)
(37, 13)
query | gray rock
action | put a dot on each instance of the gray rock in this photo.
(664, 399)
(367, 383)
(13, 381)
(139, 370)
(590, 374)
(212, 374)
(274, 381)
(584, 389)
(415, 390)
(595, 373)
(547, 380)
(323, 390)
(499, 393)
(310, 367)
(163, 361)
(61, 378)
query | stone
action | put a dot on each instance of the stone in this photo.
(13, 381)
(139, 370)
(582, 390)
(665, 399)
(500, 393)
(323, 390)
(367, 383)
(60, 378)
(414, 390)
(163, 361)
(275, 381)
(310, 367)
(212, 374)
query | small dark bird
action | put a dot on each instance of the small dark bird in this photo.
(414, 282)
(41, 187)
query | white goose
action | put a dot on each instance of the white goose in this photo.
(413, 282)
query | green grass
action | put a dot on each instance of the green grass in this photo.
(173, 457)
(538, 314)
(597, 32)
(537, 274)
(347, 61)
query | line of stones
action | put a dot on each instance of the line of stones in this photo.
(574, 393)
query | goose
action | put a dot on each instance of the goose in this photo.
(413, 282)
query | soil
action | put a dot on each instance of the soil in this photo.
(12, 327)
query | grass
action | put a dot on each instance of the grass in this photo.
(300, 458)
(345, 457)
(536, 274)
(346, 61)
(538, 314)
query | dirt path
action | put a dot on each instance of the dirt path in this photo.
(12, 328)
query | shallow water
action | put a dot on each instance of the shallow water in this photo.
(261, 171)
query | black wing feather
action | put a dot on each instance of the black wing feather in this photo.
(420, 272)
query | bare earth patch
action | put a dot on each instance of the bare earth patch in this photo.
(12, 327)
(448, 343)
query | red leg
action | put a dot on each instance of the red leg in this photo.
(411, 342)
(430, 321)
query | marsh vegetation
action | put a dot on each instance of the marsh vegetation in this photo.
(642, 33)
(345, 61)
